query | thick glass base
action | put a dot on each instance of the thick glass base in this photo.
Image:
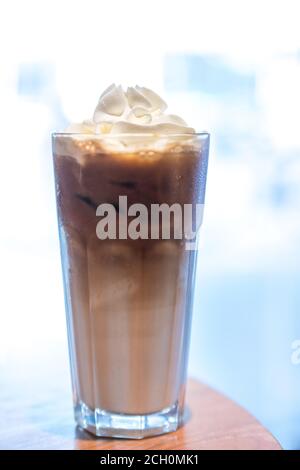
(107, 424)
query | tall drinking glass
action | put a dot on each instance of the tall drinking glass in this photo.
(128, 274)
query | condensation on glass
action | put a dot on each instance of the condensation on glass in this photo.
(128, 302)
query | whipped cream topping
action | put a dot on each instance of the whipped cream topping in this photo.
(134, 111)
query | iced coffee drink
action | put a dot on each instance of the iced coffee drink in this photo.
(128, 298)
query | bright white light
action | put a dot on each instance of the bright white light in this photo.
(279, 95)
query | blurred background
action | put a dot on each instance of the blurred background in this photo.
(232, 68)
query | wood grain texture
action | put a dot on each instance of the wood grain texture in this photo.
(36, 414)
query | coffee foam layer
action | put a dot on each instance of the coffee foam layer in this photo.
(79, 145)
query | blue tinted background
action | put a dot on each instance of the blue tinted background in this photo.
(232, 68)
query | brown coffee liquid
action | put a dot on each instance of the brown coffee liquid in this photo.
(128, 301)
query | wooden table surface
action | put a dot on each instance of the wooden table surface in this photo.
(36, 413)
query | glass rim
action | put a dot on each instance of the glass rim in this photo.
(130, 134)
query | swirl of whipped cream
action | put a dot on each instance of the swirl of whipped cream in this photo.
(136, 110)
